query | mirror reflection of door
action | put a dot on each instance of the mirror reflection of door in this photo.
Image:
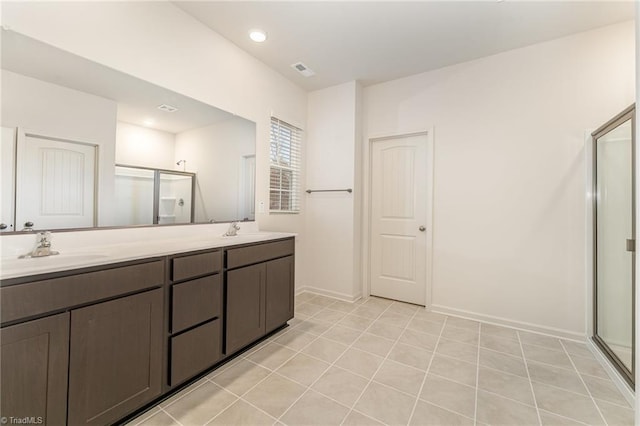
(56, 182)
(7, 159)
(614, 244)
(247, 188)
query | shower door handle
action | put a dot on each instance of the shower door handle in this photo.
(631, 245)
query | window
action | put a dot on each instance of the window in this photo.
(284, 159)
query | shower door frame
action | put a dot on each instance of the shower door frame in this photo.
(627, 114)
(156, 190)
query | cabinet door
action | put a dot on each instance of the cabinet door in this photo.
(279, 292)
(115, 357)
(245, 306)
(34, 363)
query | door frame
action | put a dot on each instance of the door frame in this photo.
(628, 375)
(366, 203)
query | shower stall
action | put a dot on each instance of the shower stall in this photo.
(145, 196)
(614, 241)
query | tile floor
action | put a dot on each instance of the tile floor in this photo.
(378, 362)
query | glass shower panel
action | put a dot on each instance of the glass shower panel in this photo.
(614, 253)
(134, 193)
(175, 198)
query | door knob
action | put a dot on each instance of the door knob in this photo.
(422, 228)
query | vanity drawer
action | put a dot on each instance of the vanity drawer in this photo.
(39, 297)
(195, 265)
(195, 351)
(195, 301)
(259, 253)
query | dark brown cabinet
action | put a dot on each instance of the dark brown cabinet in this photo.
(195, 343)
(195, 350)
(279, 292)
(34, 370)
(259, 297)
(115, 361)
(196, 301)
(245, 306)
(132, 331)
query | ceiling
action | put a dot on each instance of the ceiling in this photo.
(375, 41)
(137, 99)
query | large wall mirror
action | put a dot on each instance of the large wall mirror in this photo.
(84, 145)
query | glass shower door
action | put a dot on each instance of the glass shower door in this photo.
(175, 195)
(614, 243)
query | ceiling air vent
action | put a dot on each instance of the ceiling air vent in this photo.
(167, 108)
(303, 69)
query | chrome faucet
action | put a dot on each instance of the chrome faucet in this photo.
(43, 246)
(233, 230)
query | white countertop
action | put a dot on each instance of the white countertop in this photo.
(93, 255)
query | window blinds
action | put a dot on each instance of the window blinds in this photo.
(284, 158)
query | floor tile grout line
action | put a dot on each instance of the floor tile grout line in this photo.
(172, 418)
(585, 386)
(426, 373)
(383, 361)
(475, 408)
(627, 407)
(533, 393)
(329, 367)
(143, 417)
(364, 414)
(564, 389)
(186, 391)
(542, 410)
(222, 409)
(238, 399)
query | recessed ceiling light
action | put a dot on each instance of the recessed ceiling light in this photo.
(257, 35)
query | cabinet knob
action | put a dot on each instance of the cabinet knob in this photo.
(422, 228)
(3, 226)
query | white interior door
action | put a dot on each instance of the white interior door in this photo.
(7, 195)
(399, 218)
(55, 183)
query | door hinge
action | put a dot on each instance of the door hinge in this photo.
(631, 245)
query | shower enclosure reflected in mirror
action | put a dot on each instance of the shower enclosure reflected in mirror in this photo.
(614, 244)
(147, 196)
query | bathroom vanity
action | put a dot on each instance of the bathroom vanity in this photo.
(93, 344)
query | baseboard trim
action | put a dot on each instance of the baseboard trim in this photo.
(617, 379)
(525, 326)
(333, 294)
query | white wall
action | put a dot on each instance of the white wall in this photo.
(57, 111)
(509, 181)
(215, 153)
(144, 147)
(332, 219)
